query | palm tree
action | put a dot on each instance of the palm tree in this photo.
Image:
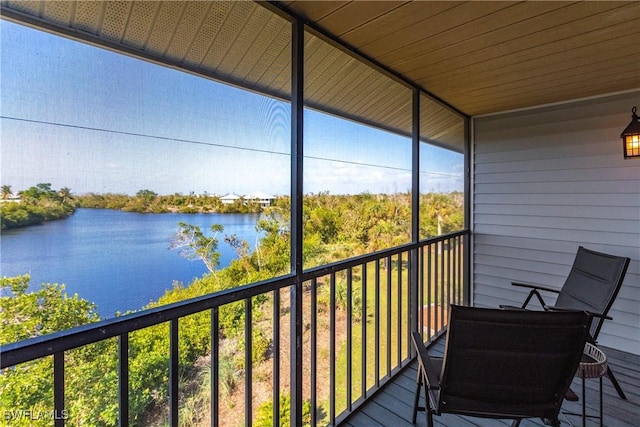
(65, 194)
(6, 192)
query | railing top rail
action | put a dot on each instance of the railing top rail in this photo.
(443, 237)
(363, 259)
(45, 345)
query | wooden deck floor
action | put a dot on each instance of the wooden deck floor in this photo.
(392, 406)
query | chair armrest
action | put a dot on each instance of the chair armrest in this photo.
(433, 376)
(590, 313)
(535, 291)
(511, 307)
(532, 286)
(424, 362)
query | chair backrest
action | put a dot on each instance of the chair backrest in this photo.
(510, 364)
(593, 284)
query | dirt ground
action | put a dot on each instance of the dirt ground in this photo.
(232, 410)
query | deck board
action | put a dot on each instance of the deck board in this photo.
(392, 405)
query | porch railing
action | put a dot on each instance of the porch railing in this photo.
(357, 318)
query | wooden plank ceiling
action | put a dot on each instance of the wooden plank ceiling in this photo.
(480, 57)
(486, 57)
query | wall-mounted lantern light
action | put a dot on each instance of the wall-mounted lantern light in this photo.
(631, 137)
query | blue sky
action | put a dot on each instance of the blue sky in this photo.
(85, 118)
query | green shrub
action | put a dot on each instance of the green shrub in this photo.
(264, 413)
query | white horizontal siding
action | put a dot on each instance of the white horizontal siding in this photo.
(563, 211)
(545, 182)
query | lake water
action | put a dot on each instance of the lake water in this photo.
(118, 260)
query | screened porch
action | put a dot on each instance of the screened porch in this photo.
(525, 101)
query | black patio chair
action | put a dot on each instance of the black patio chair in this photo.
(592, 285)
(502, 364)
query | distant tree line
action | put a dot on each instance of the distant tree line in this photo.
(36, 205)
(41, 203)
(148, 201)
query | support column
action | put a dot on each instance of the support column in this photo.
(297, 114)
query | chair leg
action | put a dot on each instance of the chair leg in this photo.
(416, 397)
(515, 423)
(615, 384)
(555, 422)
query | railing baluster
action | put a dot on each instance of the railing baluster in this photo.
(454, 269)
(388, 261)
(332, 348)
(460, 263)
(174, 404)
(431, 301)
(58, 389)
(248, 388)
(412, 300)
(276, 357)
(314, 349)
(445, 284)
(452, 266)
(363, 323)
(421, 290)
(450, 289)
(123, 380)
(399, 311)
(450, 276)
(349, 337)
(214, 366)
(442, 284)
(436, 281)
(377, 324)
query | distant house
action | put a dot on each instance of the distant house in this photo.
(11, 199)
(229, 199)
(262, 199)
